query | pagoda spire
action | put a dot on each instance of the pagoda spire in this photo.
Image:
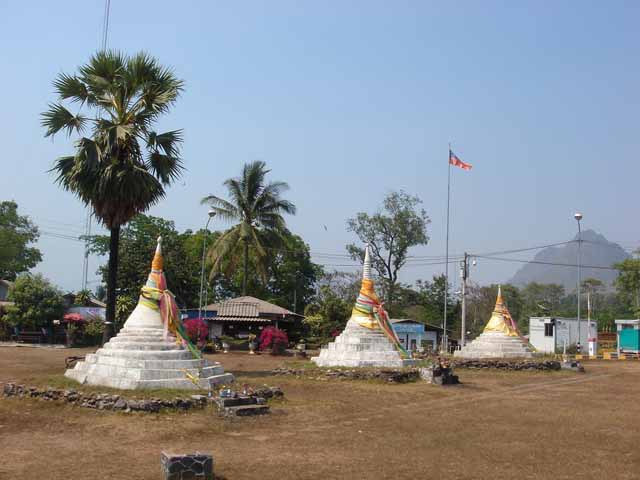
(158, 261)
(366, 267)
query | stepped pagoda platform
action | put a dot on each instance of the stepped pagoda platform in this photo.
(146, 353)
(500, 338)
(365, 342)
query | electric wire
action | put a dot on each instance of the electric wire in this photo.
(537, 262)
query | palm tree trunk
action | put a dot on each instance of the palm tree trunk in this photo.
(114, 242)
(246, 268)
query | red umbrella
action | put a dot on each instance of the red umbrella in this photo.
(73, 318)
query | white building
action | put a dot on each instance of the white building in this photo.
(415, 335)
(550, 334)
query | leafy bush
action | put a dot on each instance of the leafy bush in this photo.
(197, 331)
(37, 302)
(93, 330)
(273, 338)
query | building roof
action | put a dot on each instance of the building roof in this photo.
(6, 282)
(628, 321)
(239, 319)
(426, 324)
(247, 308)
(404, 320)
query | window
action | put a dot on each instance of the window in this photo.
(548, 329)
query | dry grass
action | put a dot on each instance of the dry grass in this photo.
(498, 425)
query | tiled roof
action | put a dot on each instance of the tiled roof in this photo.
(248, 307)
(239, 319)
(238, 309)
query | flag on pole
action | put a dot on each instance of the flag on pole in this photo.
(454, 160)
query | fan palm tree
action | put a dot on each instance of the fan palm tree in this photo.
(257, 206)
(123, 166)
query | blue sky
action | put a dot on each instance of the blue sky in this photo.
(349, 100)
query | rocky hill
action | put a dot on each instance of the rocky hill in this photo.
(596, 251)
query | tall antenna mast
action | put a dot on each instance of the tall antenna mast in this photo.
(87, 227)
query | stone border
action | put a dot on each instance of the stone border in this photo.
(513, 365)
(384, 374)
(105, 401)
(413, 373)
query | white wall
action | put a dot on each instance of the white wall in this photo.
(565, 330)
(537, 337)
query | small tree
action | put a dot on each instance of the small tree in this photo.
(16, 233)
(628, 283)
(37, 303)
(327, 314)
(390, 233)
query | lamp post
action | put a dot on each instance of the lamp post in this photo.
(578, 217)
(212, 214)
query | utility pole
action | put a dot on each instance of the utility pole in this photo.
(464, 273)
(578, 217)
(295, 299)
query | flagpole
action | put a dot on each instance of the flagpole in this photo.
(446, 266)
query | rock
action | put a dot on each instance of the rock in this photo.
(198, 466)
(515, 365)
(245, 410)
(120, 404)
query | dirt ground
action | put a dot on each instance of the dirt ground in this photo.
(497, 425)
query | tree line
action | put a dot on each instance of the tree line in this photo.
(121, 166)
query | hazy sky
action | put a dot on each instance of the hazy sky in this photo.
(348, 100)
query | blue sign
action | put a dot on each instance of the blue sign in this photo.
(408, 328)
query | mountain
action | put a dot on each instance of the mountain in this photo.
(596, 251)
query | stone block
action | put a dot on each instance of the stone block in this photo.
(196, 466)
(246, 410)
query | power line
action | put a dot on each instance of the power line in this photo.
(572, 265)
(519, 250)
(105, 24)
(61, 236)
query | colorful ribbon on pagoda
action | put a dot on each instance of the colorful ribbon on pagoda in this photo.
(368, 305)
(166, 304)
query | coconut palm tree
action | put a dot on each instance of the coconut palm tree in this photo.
(257, 206)
(123, 166)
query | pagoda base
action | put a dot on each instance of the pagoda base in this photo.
(141, 358)
(495, 345)
(358, 346)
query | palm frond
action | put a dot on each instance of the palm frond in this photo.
(220, 203)
(165, 167)
(59, 118)
(71, 87)
(222, 248)
(169, 142)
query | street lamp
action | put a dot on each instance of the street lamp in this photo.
(578, 217)
(212, 214)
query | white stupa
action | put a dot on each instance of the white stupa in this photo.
(145, 354)
(499, 339)
(365, 341)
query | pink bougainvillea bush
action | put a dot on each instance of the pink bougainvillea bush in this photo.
(197, 331)
(274, 339)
